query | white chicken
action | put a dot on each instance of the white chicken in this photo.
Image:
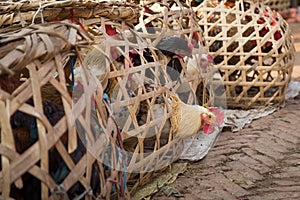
(185, 121)
(188, 120)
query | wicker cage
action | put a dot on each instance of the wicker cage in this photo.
(252, 48)
(44, 155)
(141, 95)
(160, 20)
(41, 155)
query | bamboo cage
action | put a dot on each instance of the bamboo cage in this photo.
(42, 157)
(91, 88)
(162, 19)
(252, 48)
(140, 92)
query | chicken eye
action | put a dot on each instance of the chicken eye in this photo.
(209, 116)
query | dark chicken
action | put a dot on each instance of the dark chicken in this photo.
(175, 49)
(26, 124)
(195, 3)
(136, 58)
(25, 133)
(175, 46)
(179, 50)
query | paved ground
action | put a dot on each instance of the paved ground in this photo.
(260, 162)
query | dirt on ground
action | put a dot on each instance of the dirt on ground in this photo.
(262, 161)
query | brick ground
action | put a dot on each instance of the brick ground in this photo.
(255, 163)
(258, 162)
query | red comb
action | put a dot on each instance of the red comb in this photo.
(219, 115)
(110, 30)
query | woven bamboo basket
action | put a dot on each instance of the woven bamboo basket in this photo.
(160, 20)
(44, 153)
(252, 48)
(41, 155)
(141, 96)
(140, 92)
(142, 105)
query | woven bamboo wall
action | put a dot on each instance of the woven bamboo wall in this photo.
(253, 49)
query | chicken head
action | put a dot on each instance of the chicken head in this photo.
(214, 117)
